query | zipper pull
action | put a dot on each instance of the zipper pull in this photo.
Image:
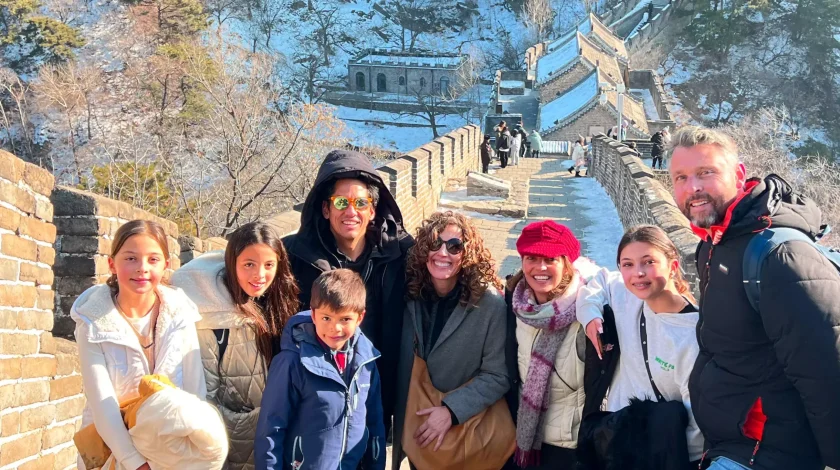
(755, 451)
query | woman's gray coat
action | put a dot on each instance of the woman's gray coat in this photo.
(470, 347)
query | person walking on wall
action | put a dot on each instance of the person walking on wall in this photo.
(546, 345)
(641, 323)
(129, 327)
(536, 144)
(245, 296)
(351, 220)
(452, 374)
(523, 148)
(657, 149)
(578, 156)
(765, 385)
(503, 144)
(486, 153)
(516, 145)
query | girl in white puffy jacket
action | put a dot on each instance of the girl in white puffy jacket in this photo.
(655, 323)
(130, 327)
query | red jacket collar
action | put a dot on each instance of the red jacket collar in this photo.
(717, 231)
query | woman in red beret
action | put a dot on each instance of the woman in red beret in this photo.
(549, 345)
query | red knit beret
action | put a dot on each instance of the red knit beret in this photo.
(548, 239)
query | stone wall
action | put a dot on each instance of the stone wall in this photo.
(411, 78)
(656, 24)
(62, 236)
(549, 91)
(40, 385)
(192, 247)
(640, 198)
(86, 225)
(649, 80)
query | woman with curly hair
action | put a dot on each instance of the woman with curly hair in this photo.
(454, 324)
(550, 345)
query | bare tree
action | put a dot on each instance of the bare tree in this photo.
(467, 89)
(67, 88)
(539, 18)
(764, 141)
(428, 105)
(14, 113)
(257, 146)
(267, 17)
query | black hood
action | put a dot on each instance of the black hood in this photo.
(772, 202)
(314, 239)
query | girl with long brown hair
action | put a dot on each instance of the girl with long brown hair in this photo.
(454, 331)
(131, 326)
(642, 322)
(245, 296)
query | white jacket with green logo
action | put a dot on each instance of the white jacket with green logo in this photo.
(672, 348)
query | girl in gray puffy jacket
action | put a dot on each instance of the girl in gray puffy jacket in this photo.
(245, 296)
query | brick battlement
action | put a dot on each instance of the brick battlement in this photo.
(641, 198)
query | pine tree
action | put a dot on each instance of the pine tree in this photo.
(54, 41)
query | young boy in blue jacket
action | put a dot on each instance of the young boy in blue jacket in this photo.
(321, 409)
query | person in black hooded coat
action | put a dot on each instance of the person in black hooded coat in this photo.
(376, 250)
(765, 386)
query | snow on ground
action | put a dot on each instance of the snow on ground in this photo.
(556, 60)
(371, 128)
(479, 215)
(569, 102)
(585, 27)
(639, 26)
(425, 61)
(604, 230)
(640, 6)
(647, 99)
(460, 195)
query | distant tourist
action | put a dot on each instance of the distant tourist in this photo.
(658, 148)
(765, 385)
(486, 153)
(536, 144)
(503, 143)
(578, 156)
(523, 149)
(515, 146)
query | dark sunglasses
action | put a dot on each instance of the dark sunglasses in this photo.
(454, 246)
(342, 202)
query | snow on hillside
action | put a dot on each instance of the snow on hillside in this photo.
(376, 128)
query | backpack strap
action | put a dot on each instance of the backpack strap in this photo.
(765, 243)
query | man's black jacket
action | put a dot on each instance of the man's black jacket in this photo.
(766, 385)
(312, 250)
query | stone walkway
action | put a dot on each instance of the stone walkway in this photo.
(550, 196)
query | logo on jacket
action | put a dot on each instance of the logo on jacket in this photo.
(666, 366)
(723, 268)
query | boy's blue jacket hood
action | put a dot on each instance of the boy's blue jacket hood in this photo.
(314, 417)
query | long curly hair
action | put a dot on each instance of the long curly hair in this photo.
(477, 267)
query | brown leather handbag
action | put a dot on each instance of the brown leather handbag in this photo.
(485, 442)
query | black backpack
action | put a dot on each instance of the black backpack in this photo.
(765, 243)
